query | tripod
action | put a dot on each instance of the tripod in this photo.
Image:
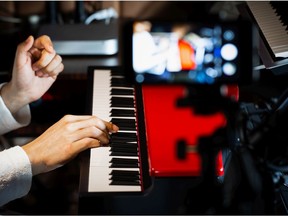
(249, 183)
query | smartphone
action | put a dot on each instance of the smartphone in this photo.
(194, 52)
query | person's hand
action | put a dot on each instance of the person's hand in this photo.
(65, 140)
(35, 69)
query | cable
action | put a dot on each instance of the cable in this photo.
(105, 14)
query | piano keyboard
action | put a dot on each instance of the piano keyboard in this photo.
(271, 25)
(115, 168)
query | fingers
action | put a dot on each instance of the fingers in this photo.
(45, 60)
(22, 49)
(26, 45)
(93, 132)
(84, 144)
(49, 66)
(44, 42)
(111, 127)
(88, 120)
(90, 126)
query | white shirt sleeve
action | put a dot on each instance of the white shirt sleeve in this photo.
(15, 174)
(8, 122)
(15, 166)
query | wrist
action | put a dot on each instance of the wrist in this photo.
(13, 100)
(37, 166)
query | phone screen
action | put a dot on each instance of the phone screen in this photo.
(190, 52)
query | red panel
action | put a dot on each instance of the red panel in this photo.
(166, 124)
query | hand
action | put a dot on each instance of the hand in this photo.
(65, 140)
(35, 69)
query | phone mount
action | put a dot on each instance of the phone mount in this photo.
(250, 175)
(208, 100)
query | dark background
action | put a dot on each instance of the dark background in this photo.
(57, 192)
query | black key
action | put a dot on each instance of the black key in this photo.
(122, 113)
(126, 154)
(123, 165)
(114, 182)
(114, 91)
(124, 172)
(125, 178)
(122, 139)
(117, 73)
(124, 121)
(123, 135)
(121, 177)
(122, 102)
(119, 82)
(127, 128)
(126, 100)
(134, 147)
(124, 161)
(119, 149)
(124, 144)
(119, 79)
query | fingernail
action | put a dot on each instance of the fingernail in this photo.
(51, 49)
(115, 128)
(28, 39)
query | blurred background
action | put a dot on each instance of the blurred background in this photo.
(57, 192)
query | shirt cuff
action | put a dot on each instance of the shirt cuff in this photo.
(15, 174)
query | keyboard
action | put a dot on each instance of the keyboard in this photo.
(271, 19)
(271, 25)
(116, 167)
